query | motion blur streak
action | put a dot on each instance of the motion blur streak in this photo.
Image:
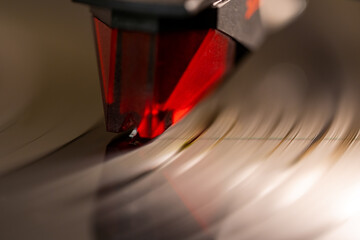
(279, 165)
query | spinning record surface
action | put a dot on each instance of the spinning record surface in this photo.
(273, 154)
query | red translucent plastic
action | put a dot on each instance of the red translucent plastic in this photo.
(151, 80)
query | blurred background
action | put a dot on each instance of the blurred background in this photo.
(272, 154)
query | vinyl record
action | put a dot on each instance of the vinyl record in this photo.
(271, 154)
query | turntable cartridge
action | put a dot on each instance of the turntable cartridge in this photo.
(157, 59)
